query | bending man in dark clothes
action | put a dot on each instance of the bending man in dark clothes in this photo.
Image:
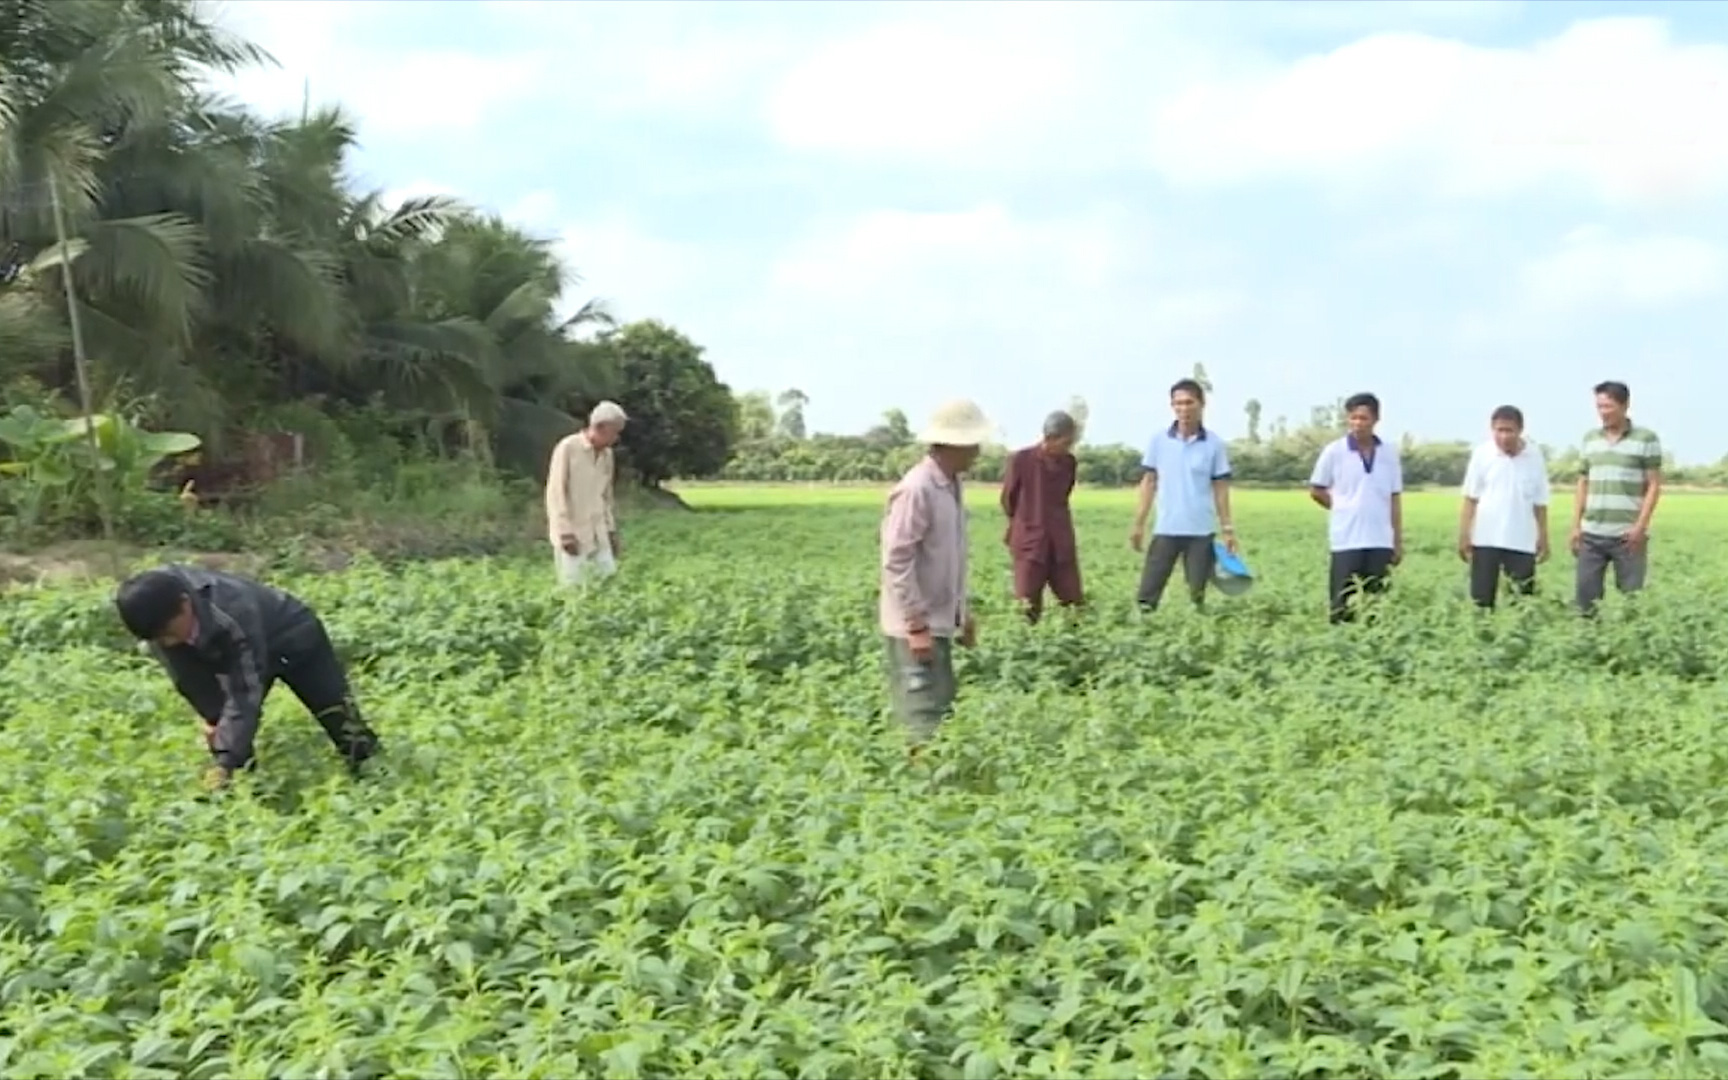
(1035, 491)
(225, 640)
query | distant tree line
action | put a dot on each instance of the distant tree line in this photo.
(775, 446)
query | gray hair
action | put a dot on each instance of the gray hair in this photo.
(1059, 425)
(607, 414)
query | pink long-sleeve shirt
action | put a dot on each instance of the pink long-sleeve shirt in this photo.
(924, 554)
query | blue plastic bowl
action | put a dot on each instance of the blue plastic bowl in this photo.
(1229, 573)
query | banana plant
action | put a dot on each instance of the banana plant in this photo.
(52, 457)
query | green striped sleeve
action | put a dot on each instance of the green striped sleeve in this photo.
(1652, 450)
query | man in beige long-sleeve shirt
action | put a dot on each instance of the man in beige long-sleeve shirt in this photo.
(581, 515)
(923, 607)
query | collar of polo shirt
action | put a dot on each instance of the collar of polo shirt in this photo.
(1175, 431)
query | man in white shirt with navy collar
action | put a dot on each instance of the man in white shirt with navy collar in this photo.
(1359, 479)
(1503, 526)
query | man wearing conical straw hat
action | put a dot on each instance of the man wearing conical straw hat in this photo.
(924, 608)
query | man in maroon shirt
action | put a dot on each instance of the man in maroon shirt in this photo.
(1035, 490)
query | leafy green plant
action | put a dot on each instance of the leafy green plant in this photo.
(51, 462)
(663, 828)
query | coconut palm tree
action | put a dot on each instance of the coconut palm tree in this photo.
(506, 287)
(368, 249)
(79, 81)
(224, 262)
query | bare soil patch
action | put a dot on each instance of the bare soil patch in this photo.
(87, 560)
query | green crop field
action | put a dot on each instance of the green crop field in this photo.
(664, 828)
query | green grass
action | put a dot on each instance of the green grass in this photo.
(665, 828)
(1424, 509)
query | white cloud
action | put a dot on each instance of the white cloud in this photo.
(694, 76)
(1356, 16)
(939, 272)
(1433, 236)
(1614, 105)
(1193, 311)
(416, 189)
(981, 85)
(698, 61)
(920, 87)
(912, 307)
(325, 53)
(880, 248)
(637, 274)
(1594, 270)
(534, 211)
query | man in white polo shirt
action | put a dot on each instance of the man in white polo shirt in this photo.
(1359, 479)
(1503, 526)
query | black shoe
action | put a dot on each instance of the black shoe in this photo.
(365, 761)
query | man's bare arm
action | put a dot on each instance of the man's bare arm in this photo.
(1466, 519)
(1148, 488)
(1652, 496)
(1320, 484)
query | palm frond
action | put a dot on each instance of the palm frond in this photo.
(30, 331)
(296, 292)
(417, 218)
(157, 260)
(116, 342)
(446, 362)
(526, 432)
(594, 313)
(525, 307)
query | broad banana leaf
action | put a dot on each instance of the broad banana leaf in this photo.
(110, 430)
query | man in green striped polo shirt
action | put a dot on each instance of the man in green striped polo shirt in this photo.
(1617, 493)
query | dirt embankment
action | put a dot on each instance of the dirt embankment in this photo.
(658, 498)
(405, 540)
(91, 559)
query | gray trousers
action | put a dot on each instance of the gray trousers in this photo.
(1163, 553)
(1596, 554)
(923, 691)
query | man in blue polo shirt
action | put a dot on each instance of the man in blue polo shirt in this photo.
(1360, 481)
(1188, 477)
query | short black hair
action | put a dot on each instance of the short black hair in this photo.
(1362, 401)
(1508, 412)
(1619, 391)
(1192, 386)
(149, 601)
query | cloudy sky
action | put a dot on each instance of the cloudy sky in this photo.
(1453, 203)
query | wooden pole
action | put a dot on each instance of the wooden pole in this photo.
(81, 365)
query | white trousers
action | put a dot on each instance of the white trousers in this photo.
(593, 564)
